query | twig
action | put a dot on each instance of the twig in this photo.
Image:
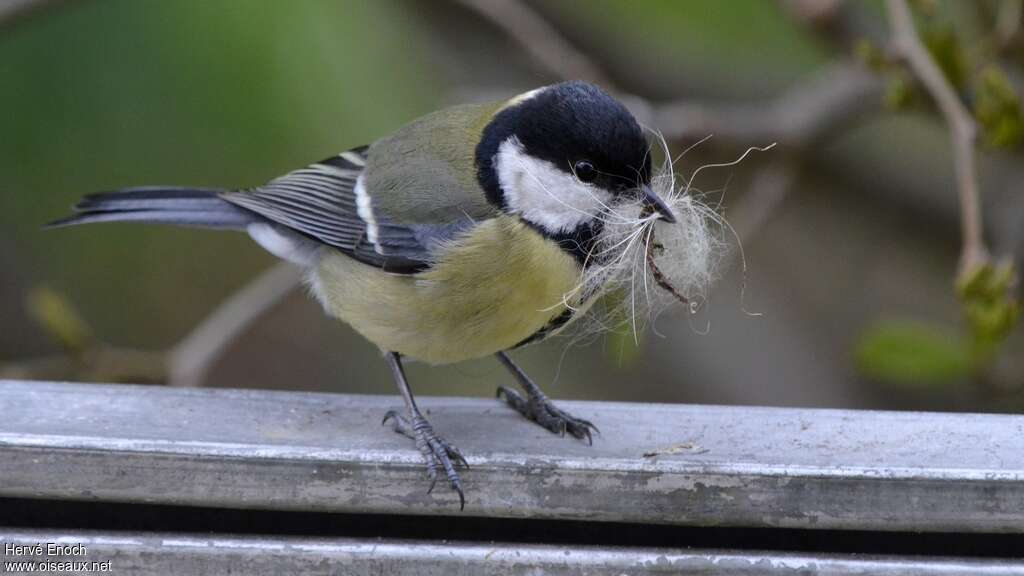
(13, 10)
(767, 190)
(814, 12)
(185, 364)
(829, 20)
(540, 39)
(908, 45)
(101, 363)
(838, 25)
(652, 244)
(805, 114)
(1008, 22)
(808, 112)
(191, 359)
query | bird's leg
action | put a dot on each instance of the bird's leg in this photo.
(436, 451)
(537, 407)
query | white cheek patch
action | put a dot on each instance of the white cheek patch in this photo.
(544, 195)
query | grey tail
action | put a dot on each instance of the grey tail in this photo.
(160, 205)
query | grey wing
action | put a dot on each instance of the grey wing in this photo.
(328, 202)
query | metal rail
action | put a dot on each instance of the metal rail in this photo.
(653, 464)
(200, 554)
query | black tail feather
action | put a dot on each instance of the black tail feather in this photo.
(160, 205)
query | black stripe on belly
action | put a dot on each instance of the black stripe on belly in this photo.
(552, 325)
(579, 243)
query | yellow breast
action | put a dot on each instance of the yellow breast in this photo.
(489, 291)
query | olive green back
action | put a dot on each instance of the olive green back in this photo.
(426, 171)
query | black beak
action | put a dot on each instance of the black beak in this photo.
(654, 201)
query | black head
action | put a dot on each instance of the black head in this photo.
(559, 156)
(575, 127)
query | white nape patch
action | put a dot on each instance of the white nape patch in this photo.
(283, 245)
(364, 207)
(543, 194)
(523, 97)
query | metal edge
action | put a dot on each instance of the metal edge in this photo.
(200, 554)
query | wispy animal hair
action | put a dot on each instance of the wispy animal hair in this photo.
(642, 265)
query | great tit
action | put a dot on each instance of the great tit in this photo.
(462, 234)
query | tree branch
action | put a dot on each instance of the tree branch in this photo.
(1008, 22)
(803, 115)
(540, 39)
(768, 188)
(191, 359)
(908, 46)
(810, 111)
(185, 364)
(13, 10)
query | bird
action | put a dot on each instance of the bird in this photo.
(460, 235)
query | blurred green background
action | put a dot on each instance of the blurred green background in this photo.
(101, 94)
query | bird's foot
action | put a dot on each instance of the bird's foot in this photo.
(437, 452)
(542, 411)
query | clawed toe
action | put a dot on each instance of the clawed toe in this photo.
(436, 451)
(399, 423)
(544, 412)
(576, 427)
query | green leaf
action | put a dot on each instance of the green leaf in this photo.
(870, 55)
(997, 108)
(912, 354)
(59, 318)
(945, 48)
(990, 306)
(900, 92)
(623, 345)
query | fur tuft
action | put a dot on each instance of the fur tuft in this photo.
(642, 265)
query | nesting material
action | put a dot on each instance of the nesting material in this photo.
(649, 264)
(643, 265)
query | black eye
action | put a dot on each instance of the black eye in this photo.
(585, 171)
